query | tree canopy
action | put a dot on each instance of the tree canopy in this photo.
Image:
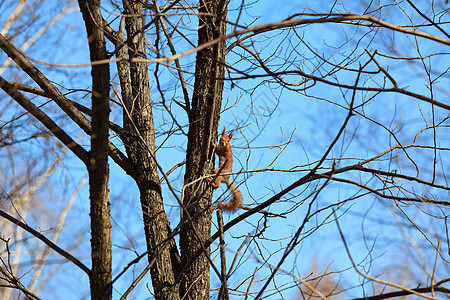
(109, 127)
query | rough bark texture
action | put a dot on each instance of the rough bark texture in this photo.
(204, 119)
(140, 146)
(98, 163)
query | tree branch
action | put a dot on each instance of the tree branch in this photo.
(65, 104)
(60, 134)
(46, 241)
(85, 110)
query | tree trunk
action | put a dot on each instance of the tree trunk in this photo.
(203, 119)
(100, 276)
(140, 146)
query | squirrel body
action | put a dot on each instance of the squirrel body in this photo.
(223, 151)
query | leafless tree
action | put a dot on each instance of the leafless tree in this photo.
(339, 116)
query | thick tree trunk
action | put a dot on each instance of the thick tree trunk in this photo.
(203, 119)
(140, 146)
(98, 165)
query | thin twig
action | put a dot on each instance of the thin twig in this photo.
(410, 291)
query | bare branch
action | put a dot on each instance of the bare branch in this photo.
(49, 243)
(79, 151)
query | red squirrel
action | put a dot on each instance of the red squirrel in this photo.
(223, 151)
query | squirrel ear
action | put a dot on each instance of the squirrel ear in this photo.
(223, 132)
(230, 135)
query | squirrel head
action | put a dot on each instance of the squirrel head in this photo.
(225, 139)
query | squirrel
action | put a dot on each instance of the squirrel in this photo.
(223, 151)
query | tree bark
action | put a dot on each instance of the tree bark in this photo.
(203, 123)
(100, 276)
(140, 145)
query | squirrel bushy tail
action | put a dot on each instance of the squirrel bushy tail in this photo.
(235, 203)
